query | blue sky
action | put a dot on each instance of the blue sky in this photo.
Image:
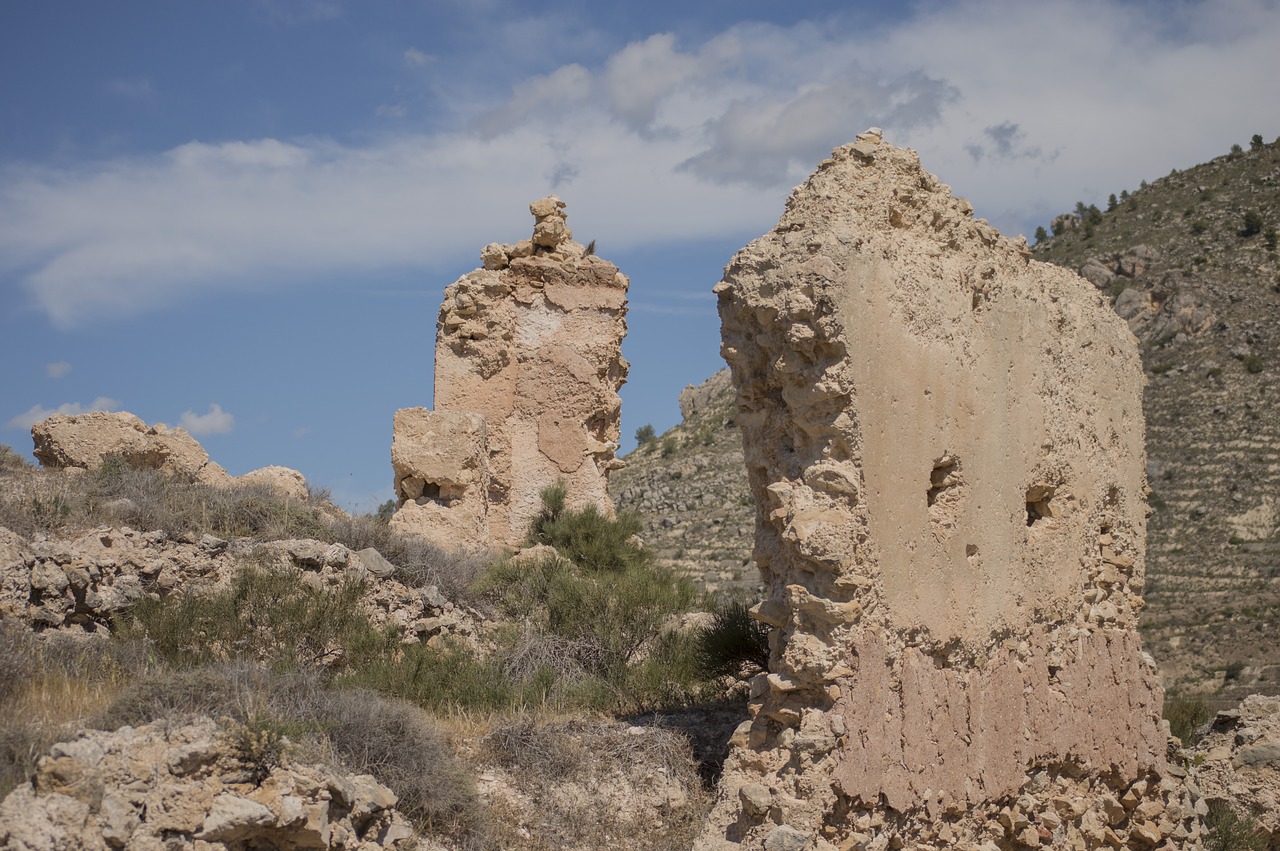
(239, 216)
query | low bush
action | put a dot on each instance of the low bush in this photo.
(586, 537)
(264, 616)
(1230, 830)
(1186, 714)
(734, 645)
(275, 714)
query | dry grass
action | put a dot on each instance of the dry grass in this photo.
(593, 784)
(48, 686)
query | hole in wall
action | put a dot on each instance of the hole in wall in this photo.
(944, 476)
(944, 495)
(1039, 504)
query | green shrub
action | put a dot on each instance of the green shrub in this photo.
(1041, 234)
(385, 511)
(1186, 714)
(446, 678)
(645, 435)
(263, 615)
(1252, 224)
(586, 537)
(591, 620)
(1253, 363)
(1229, 830)
(1255, 142)
(603, 616)
(734, 645)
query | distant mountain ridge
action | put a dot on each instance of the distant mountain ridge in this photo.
(1190, 262)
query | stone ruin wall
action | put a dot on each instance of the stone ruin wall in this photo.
(528, 364)
(945, 444)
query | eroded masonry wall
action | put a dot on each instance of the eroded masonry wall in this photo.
(945, 444)
(531, 344)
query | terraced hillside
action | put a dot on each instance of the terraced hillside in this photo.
(690, 486)
(1190, 262)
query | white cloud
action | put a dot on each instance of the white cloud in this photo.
(57, 369)
(137, 88)
(1023, 108)
(38, 412)
(416, 58)
(216, 421)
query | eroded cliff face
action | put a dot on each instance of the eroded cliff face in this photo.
(945, 444)
(531, 345)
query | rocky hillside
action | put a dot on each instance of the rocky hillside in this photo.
(690, 488)
(1190, 262)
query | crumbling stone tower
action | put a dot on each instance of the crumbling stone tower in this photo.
(528, 364)
(945, 444)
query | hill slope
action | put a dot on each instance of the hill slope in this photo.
(1190, 262)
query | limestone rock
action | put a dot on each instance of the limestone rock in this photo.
(166, 785)
(85, 440)
(944, 442)
(441, 464)
(75, 585)
(1239, 762)
(283, 480)
(697, 398)
(529, 348)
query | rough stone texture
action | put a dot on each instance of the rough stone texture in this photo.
(441, 463)
(945, 445)
(531, 343)
(1239, 762)
(164, 787)
(282, 480)
(75, 584)
(84, 441)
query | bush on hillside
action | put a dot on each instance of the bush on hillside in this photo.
(1252, 224)
(262, 616)
(274, 713)
(586, 537)
(1186, 714)
(1230, 830)
(734, 645)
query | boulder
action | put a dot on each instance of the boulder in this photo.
(167, 785)
(283, 480)
(86, 440)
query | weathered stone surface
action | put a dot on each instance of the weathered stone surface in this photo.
(166, 785)
(84, 440)
(531, 345)
(945, 445)
(282, 480)
(78, 583)
(441, 464)
(1239, 762)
